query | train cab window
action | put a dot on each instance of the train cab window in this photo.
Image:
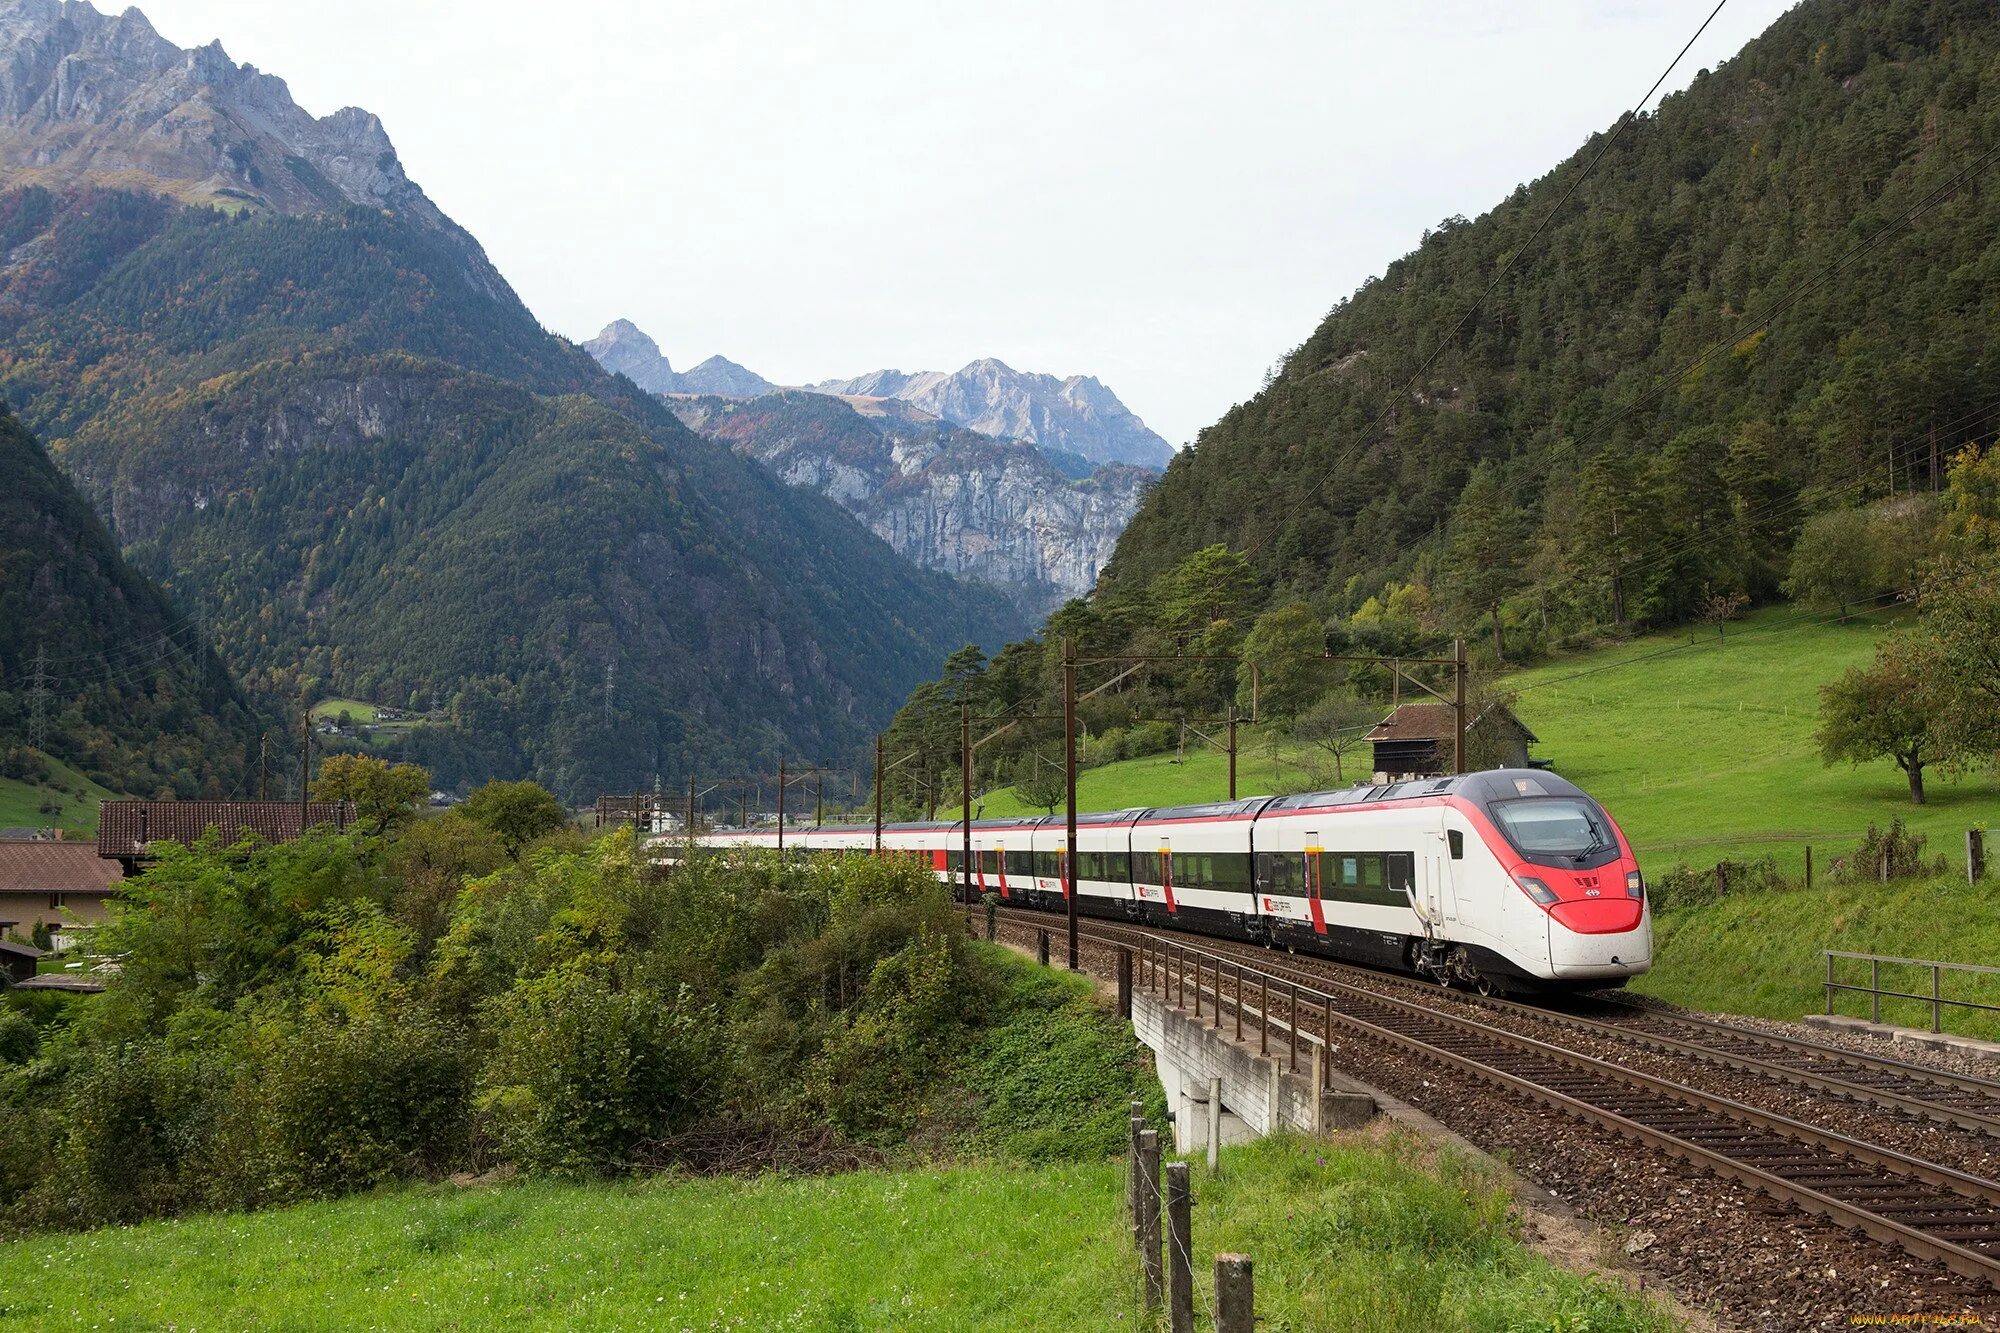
(1457, 841)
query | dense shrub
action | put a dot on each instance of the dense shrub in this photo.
(583, 1073)
(1894, 853)
(1684, 886)
(348, 1011)
(329, 1107)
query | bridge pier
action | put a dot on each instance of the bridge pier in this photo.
(1260, 1095)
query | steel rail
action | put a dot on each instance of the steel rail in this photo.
(1955, 1099)
(1801, 1164)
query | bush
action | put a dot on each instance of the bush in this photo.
(1684, 886)
(325, 1108)
(1899, 849)
(1152, 738)
(582, 1074)
(138, 1124)
(19, 1041)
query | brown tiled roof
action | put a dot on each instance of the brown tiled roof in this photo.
(1416, 722)
(124, 828)
(19, 950)
(1428, 722)
(56, 867)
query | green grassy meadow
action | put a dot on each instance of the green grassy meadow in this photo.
(21, 802)
(1701, 747)
(1760, 953)
(1348, 1237)
(364, 713)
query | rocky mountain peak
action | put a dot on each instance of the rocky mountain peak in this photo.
(1078, 415)
(88, 98)
(625, 349)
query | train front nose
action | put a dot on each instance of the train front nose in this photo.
(1600, 937)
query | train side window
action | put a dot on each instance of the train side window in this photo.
(1457, 841)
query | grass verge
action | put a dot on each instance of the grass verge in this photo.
(1349, 1237)
(1760, 953)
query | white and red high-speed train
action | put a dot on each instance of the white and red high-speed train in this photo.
(1510, 879)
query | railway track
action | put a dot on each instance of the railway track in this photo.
(1930, 1211)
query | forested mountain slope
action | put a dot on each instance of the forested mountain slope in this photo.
(1621, 480)
(380, 480)
(128, 695)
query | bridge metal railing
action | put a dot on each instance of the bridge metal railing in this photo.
(1876, 992)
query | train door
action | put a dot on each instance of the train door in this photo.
(1167, 872)
(1000, 866)
(1315, 884)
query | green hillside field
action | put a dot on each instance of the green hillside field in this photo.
(1346, 1236)
(1701, 746)
(21, 802)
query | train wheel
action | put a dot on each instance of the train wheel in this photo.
(1482, 983)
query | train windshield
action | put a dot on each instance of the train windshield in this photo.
(1554, 826)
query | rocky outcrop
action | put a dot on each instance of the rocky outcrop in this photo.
(89, 97)
(1077, 415)
(625, 349)
(944, 497)
(93, 99)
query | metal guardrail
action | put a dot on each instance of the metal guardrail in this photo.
(1936, 999)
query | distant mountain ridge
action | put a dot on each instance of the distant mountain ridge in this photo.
(1069, 419)
(625, 349)
(1077, 415)
(948, 498)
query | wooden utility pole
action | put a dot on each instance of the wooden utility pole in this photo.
(781, 805)
(1458, 705)
(878, 793)
(691, 800)
(1232, 751)
(264, 767)
(1069, 789)
(305, 765)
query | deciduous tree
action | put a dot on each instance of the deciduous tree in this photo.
(382, 793)
(1886, 710)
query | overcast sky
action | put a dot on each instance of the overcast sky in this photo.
(1167, 194)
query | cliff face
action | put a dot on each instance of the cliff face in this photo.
(1077, 415)
(944, 497)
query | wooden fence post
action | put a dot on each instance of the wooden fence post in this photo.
(1180, 1259)
(1235, 1295)
(1149, 1215)
(1124, 981)
(1808, 865)
(1722, 879)
(1134, 1164)
(1042, 947)
(1975, 856)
